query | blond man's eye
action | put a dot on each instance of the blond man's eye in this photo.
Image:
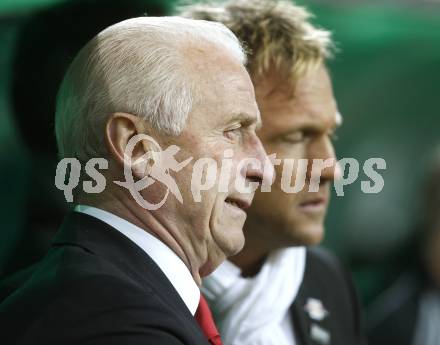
(294, 137)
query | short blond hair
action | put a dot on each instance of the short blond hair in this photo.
(276, 34)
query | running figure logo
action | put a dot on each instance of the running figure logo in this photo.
(163, 162)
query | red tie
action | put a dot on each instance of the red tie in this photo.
(204, 318)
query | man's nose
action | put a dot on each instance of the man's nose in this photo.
(264, 171)
(337, 171)
(326, 152)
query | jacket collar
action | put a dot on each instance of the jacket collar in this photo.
(101, 239)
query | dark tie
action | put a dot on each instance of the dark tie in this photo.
(204, 318)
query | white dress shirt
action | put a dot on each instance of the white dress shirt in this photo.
(171, 265)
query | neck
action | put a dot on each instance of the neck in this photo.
(254, 253)
(250, 265)
(124, 207)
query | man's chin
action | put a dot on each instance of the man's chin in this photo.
(225, 247)
(233, 247)
(314, 236)
(230, 240)
(306, 235)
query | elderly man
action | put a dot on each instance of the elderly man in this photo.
(119, 273)
(276, 291)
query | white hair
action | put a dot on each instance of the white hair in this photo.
(136, 66)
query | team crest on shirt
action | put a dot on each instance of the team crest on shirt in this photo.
(315, 309)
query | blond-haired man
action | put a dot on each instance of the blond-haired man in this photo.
(278, 290)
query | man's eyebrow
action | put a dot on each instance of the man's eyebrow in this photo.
(247, 119)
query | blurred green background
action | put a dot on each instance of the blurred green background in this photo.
(386, 78)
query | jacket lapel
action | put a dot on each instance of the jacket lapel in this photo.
(101, 239)
(300, 323)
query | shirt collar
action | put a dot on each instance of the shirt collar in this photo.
(169, 263)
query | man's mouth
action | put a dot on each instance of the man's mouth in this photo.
(317, 204)
(238, 203)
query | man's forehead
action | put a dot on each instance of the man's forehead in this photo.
(291, 121)
(333, 120)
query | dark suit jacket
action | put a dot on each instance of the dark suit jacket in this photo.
(326, 280)
(393, 318)
(95, 286)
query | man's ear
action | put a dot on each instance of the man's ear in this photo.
(120, 128)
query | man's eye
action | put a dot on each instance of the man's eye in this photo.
(296, 137)
(232, 133)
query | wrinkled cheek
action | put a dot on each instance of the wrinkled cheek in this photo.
(227, 232)
(217, 214)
